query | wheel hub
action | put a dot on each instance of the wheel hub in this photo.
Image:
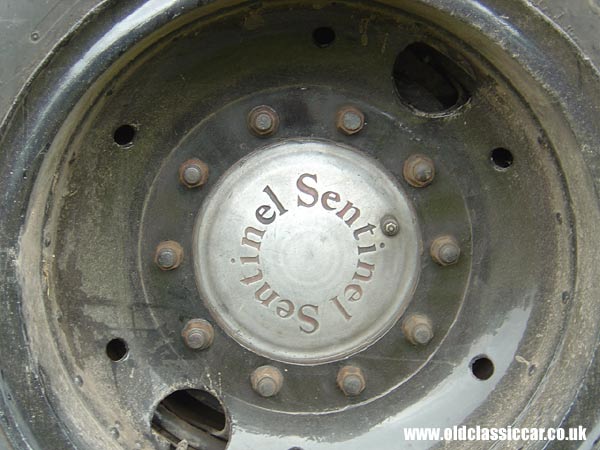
(290, 256)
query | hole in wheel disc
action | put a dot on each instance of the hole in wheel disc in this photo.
(482, 368)
(192, 415)
(117, 349)
(502, 158)
(323, 37)
(428, 80)
(124, 135)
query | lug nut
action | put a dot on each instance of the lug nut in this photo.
(418, 329)
(390, 226)
(350, 120)
(193, 173)
(419, 171)
(351, 380)
(169, 255)
(266, 381)
(445, 250)
(263, 121)
(198, 334)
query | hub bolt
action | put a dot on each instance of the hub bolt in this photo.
(169, 255)
(266, 381)
(263, 121)
(351, 380)
(350, 120)
(418, 329)
(445, 250)
(193, 173)
(390, 226)
(419, 171)
(198, 334)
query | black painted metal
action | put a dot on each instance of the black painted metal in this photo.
(77, 248)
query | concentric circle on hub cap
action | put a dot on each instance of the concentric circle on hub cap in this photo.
(290, 258)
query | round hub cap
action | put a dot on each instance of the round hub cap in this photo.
(290, 256)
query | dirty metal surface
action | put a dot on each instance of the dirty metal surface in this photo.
(521, 294)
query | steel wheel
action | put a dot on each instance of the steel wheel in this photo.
(287, 226)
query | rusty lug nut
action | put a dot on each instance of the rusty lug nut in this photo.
(169, 255)
(351, 380)
(263, 121)
(390, 226)
(193, 173)
(350, 120)
(419, 171)
(445, 250)
(198, 334)
(418, 329)
(266, 381)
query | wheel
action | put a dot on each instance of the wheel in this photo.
(291, 225)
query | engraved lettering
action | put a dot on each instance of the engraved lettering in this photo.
(308, 196)
(310, 320)
(285, 309)
(355, 215)
(250, 259)
(275, 200)
(312, 192)
(364, 229)
(353, 292)
(253, 279)
(369, 249)
(261, 215)
(362, 265)
(263, 290)
(249, 242)
(341, 309)
(327, 197)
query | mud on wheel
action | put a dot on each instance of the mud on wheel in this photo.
(297, 225)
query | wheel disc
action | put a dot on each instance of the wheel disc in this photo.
(219, 244)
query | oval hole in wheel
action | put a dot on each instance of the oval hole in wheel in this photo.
(193, 415)
(429, 81)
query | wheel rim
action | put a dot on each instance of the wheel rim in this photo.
(451, 297)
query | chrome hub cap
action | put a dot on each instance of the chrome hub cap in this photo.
(290, 256)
